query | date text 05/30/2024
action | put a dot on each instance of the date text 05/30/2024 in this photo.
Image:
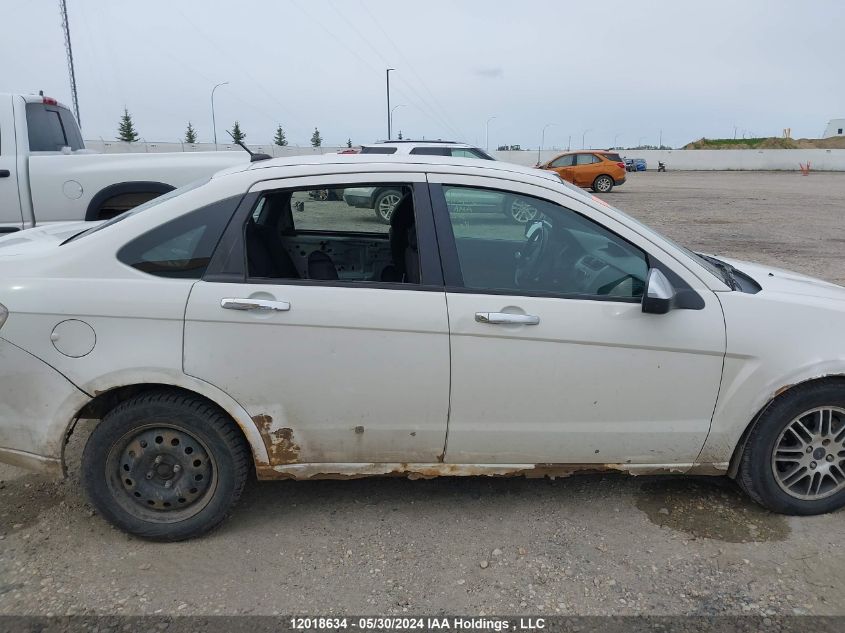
(416, 624)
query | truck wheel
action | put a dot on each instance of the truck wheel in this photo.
(165, 466)
(794, 459)
(602, 184)
(385, 203)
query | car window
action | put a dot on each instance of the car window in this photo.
(431, 151)
(183, 246)
(360, 233)
(586, 159)
(518, 244)
(51, 128)
(378, 150)
(563, 161)
(470, 152)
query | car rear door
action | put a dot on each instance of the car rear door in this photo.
(587, 167)
(565, 367)
(340, 358)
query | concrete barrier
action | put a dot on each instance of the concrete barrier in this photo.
(675, 159)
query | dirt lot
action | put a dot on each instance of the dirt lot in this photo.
(584, 545)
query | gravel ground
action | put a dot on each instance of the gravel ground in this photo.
(585, 545)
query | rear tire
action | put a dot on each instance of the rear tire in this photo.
(602, 184)
(165, 466)
(794, 459)
(385, 203)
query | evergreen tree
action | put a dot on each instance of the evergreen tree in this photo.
(126, 130)
(237, 133)
(280, 139)
(349, 142)
(316, 139)
(190, 134)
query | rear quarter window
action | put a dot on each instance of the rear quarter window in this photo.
(182, 247)
(378, 150)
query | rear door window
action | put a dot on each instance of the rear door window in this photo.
(431, 151)
(586, 159)
(51, 128)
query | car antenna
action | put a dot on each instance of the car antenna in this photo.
(253, 156)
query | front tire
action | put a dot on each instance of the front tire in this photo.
(794, 459)
(602, 184)
(165, 466)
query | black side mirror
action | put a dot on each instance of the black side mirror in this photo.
(659, 295)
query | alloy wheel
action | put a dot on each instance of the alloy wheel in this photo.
(808, 461)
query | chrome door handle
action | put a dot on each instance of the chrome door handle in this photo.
(254, 304)
(499, 318)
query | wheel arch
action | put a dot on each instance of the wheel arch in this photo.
(120, 189)
(105, 400)
(736, 456)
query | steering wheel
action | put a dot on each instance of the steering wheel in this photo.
(530, 258)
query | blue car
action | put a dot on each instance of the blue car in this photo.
(635, 164)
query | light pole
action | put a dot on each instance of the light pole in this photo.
(543, 140)
(584, 139)
(213, 121)
(640, 141)
(615, 138)
(387, 77)
(487, 134)
(660, 142)
(401, 105)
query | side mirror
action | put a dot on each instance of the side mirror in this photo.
(659, 295)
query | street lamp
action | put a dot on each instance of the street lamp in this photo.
(615, 138)
(487, 134)
(543, 140)
(401, 105)
(584, 139)
(213, 121)
(387, 77)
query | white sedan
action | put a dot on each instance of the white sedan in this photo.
(238, 324)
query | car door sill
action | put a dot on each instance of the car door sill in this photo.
(432, 470)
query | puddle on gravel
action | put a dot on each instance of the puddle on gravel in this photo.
(709, 509)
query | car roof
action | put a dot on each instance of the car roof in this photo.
(392, 162)
(405, 141)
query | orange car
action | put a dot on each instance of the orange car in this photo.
(598, 170)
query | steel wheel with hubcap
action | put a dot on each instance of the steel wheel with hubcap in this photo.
(603, 184)
(165, 465)
(385, 203)
(794, 459)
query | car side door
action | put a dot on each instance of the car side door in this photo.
(586, 169)
(327, 326)
(563, 166)
(553, 359)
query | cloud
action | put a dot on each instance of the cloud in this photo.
(493, 72)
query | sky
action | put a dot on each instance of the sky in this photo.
(598, 73)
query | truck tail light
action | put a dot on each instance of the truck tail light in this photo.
(3, 314)
(49, 101)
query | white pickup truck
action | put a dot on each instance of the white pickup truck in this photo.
(47, 175)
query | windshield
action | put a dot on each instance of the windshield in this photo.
(140, 208)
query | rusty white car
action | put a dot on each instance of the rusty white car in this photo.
(239, 325)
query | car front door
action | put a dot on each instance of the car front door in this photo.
(563, 166)
(330, 330)
(553, 359)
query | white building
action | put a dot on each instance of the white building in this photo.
(835, 127)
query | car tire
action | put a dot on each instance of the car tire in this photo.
(165, 466)
(602, 184)
(803, 429)
(385, 203)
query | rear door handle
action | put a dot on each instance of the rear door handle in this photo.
(5, 173)
(504, 318)
(254, 304)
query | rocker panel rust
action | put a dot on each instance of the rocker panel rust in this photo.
(430, 471)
